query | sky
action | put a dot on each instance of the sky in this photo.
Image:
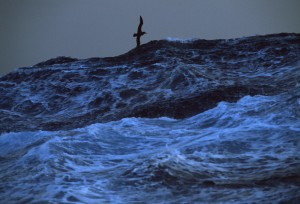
(32, 31)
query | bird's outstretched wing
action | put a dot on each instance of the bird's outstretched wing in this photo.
(140, 25)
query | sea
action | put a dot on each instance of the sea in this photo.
(243, 149)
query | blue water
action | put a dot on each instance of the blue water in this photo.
(241, 152)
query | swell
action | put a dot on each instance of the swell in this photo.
(161, 78)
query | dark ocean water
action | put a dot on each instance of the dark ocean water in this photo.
(156, 127)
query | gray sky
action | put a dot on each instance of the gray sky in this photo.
(32, 31)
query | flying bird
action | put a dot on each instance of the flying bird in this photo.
(139, 33)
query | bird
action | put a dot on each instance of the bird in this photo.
(139, 33)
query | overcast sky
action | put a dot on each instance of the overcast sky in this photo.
(32, 31)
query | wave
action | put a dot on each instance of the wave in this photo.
(241, 152)
(163, 78)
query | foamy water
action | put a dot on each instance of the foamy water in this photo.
(241, 152)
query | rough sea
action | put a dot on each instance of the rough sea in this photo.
(178, 122)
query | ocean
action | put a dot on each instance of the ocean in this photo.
(173, 122)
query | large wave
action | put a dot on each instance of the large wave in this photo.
(236, 152)
(161, 78)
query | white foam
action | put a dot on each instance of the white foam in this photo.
(14, 142)
(181, 40)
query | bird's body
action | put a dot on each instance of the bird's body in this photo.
(139, 33)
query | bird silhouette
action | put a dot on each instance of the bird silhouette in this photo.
(139, 33)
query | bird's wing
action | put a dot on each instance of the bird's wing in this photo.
(140, 25)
